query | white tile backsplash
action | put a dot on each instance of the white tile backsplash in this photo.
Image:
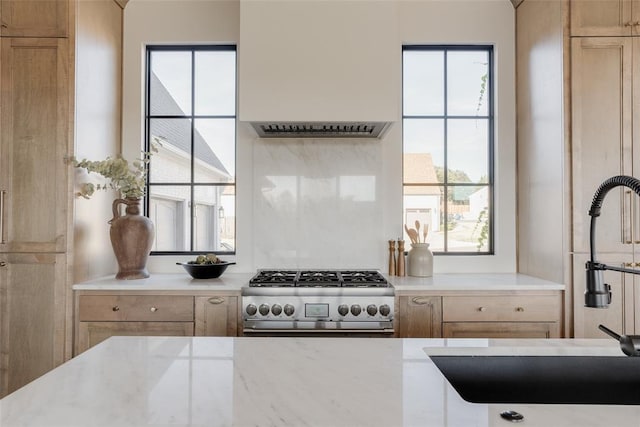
(317, 203)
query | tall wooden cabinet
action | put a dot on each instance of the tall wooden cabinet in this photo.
(605, 107)
(34, 189)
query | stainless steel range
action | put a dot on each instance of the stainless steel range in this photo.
(312, 302)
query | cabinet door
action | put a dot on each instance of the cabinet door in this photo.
(603, 17)
(602, 147)
(501, 330)
(419, 317)
(619, 316)
(33, 143)
(33, 312)
(217, 316)
(34, 18)
(92, 333)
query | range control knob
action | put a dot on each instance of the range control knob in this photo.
(372, 310)
(264, 309)
(251, 309)
(356, 309)
(276, 309)
(385, 310)
(289, 309)
(343, 309)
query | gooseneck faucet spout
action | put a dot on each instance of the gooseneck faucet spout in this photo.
(598, 293)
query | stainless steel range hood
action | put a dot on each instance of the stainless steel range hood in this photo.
(319, 69)
(320, 130)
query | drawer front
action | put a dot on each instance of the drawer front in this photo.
(145, 308)
(520, 308)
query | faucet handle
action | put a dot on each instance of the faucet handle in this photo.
(629, 344)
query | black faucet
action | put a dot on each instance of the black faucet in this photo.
(598, 293)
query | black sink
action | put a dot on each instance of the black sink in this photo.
(593, 380)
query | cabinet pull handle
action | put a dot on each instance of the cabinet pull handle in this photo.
(520, 309)
(115, 308)
(627, 237)
(482, 308)
(421, 300)
(153, 309)
(3, 193)
(216, 300)
(3, 264)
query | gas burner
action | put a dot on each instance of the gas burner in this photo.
(280, 278)
(363, 278)
(320, 279)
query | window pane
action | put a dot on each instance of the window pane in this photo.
(467, 219)
(466, 78)
(423, 83)
(424, 203)
(172, 162)
(215, 83)
(214, 218)
(215, 150)
(170, 81)
(423, 150)
(468, 150)
(169, 210)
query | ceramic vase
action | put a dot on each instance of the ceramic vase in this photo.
(131, 237)
(420, 260)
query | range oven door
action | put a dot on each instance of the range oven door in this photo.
(318, 328)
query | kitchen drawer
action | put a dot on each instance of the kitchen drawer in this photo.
(503, 308)
(119, 308)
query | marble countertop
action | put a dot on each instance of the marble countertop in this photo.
(319, 382)
(233, 282)
(472, 282)
(228, 282)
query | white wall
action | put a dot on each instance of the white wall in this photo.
(359, 182)
(97, 128)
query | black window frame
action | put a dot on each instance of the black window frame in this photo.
(489, 94)
(192, 117)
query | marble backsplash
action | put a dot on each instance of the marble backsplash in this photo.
(318, 203)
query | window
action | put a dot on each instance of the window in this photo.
(191, 122)
(448, 146)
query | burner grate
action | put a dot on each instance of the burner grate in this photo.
(280, 278)
(363, 278)
(313, 278)
(319, 278)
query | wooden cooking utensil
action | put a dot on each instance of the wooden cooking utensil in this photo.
(418, 230)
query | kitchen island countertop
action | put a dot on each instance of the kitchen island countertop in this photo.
(211, 381)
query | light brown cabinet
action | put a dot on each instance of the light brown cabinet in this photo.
(34, 114)
(605, 105)
(34, 18)
(605, 122)
(419, 316)
(502, 316)
(102, 314)
(217, 316)
(515, 314)
(605, 17)
(32, 317)
(34, 207)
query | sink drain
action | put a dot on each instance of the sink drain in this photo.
(513, 416)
